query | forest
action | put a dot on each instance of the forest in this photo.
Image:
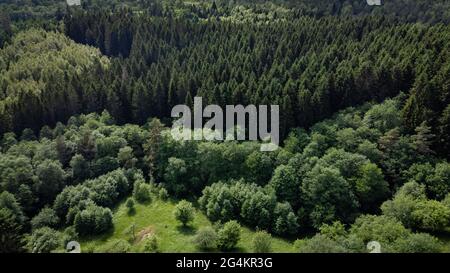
(86, 94)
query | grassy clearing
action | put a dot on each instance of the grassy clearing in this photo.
(157, 216)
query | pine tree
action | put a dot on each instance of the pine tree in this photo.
(153, 144)
(11, 239)
(423, 139)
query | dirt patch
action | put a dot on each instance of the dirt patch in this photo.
(148, 231)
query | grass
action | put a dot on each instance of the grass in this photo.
(172, 236)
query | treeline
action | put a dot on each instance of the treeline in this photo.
(33, 9)
(49, 80)
(310, 67)
(405, 10)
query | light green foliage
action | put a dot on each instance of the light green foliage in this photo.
(432, 215)
(141, 191)
(163, 194)
(184, 212)
(150, 244)
(334, 230)
(383, 229)
(229, 235)
(262, 242)
(172, 238)
(206, 238)
(44, 240)
(418, 243)
(319, 244)
(383, 117)
(130, 205)
(371, 187)
(36, 65)
(45, 218)
(126, 157)
(116, 246)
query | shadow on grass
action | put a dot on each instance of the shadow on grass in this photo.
(146, 202)
(186, 230)
(236, 249)
(131, 212)
(101, 237)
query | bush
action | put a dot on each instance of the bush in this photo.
(151, 244)
(163, 194)
(44, 240)
(319, 244)
(262, 242)
(69, 235)
(418, 243)
(93, 220)
(130, 205)
(130, 231)
(378, 228)
(229, 235)
(117, 246)
(184, 212)
(46, 218)
(432, 215)
(206, 238)
(141, 191)
(286, 222)
(126, 157)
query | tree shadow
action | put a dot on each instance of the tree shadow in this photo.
(186, 230)
(100, 237)
(146, 202)
(131, 212)
(236, 249)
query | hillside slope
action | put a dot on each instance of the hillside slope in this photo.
(157, 217)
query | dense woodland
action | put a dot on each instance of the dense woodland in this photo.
(86, 94)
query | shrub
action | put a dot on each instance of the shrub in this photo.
(262, 242)
(151, 244)
(117, 246)
(432, 215)
(130, 231)
(206, 238)
(229, 235)
(93, 220)
(319, 244)
(184, 212)
(163, 194)
(417, 243)
(69, 235)
(44, 240)
(130, 205)
(141, 191)
(46, 218)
